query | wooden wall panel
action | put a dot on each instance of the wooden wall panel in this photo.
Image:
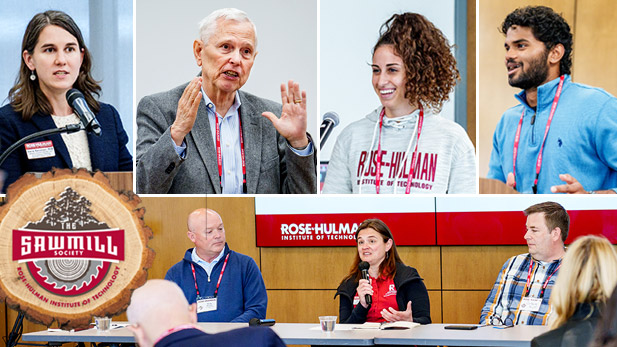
(495, 94)
(305, 268)
(238, 215)
(475, 267)
(325, 267)
(301, 306)
(595, 44)
(434, 297)
(463, 307)
(166, 216)
(426, 261)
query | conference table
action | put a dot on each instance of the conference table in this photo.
(344, 334)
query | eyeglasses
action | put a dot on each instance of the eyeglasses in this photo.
(498, 323)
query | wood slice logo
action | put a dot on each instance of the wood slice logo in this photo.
(71, 247)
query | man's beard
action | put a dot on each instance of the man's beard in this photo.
(534, 76)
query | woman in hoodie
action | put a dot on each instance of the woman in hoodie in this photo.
(404, 146)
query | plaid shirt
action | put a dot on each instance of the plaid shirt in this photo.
(505, 297)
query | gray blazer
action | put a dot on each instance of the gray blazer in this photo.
(271, 166)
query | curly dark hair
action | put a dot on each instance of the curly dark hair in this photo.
(430, 67)
(547, 26)
(26, 96)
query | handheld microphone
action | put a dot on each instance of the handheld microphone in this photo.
(330, 120)
(261, 322)
(364, 266)
(78, 103)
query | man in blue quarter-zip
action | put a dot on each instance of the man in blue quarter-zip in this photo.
(561, 137)
(227, 286)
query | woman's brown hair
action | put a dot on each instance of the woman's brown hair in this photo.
(26, 96)
(387, 268)
(430, 67)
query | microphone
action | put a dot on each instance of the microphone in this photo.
(330, 120)
(261, 322)
(364, 266)
(78, 103)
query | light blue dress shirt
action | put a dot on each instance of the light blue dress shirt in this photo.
(231, 178)
(204, 264)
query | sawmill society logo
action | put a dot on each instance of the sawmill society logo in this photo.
(71, 248)
(68, 252)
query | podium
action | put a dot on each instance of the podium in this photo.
(491, 186)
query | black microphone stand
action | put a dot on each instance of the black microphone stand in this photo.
(15, 335)
(71, 128)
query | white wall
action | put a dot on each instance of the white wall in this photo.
(286, 45)
(348, 31)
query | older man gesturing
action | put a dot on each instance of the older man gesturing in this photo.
(224, 144)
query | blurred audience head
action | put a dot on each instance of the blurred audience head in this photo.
(588, 274)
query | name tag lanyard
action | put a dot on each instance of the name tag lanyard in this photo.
(414, 158)
(517, 138)
(217, 283)
(219, 154)
(527, 285)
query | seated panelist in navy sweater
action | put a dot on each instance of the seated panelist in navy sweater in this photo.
(226, 286)
(54, 60)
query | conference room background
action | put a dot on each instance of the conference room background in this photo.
(301, 281)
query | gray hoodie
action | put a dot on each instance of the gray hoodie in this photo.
(446, 157)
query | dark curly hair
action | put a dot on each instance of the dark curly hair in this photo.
(430, 67)
(547, 26)
(26, 96)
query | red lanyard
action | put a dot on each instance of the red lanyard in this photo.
(517, 137)
(217, 283)
(414, 158)
(527, 287)
(219, 154)
(173, 330)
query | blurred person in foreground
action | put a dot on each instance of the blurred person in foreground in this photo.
(397, 148)
(160, 316)
(606, 330)
(54, 60)
(397, 290)
(587, 278)
(523, 287)
(208, 136)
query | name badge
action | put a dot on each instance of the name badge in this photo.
(38, 150)
(206, 305)
(356, 300)
(531, 304)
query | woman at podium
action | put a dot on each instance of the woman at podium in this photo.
(404, 146)
(55, 60)
(386, 290)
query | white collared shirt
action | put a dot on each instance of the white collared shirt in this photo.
(204, 264)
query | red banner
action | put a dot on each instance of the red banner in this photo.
(51, 244)
(309, 230)
(508, 227)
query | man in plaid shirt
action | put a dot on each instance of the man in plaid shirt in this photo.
(521, 292)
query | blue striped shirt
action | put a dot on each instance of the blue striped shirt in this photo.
(504, 299)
